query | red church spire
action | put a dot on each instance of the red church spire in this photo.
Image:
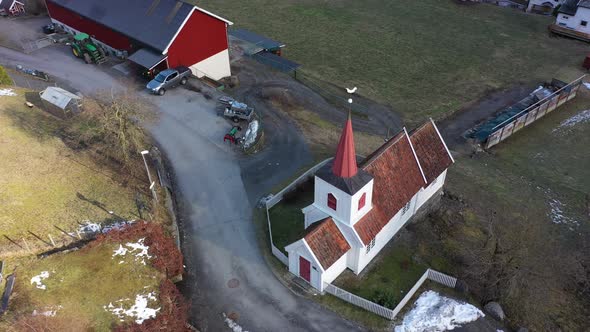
(345, 160)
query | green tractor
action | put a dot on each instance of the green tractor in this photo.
(84, 48)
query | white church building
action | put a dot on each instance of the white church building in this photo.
(357, 210)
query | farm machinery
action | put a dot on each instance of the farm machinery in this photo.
(235, 110)
(239, 113)
(84, 48)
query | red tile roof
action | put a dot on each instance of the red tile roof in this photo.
(397, 178)
(326, 241)
(431, 151)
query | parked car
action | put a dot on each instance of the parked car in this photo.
(167, 79)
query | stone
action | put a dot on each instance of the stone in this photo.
(495, 310)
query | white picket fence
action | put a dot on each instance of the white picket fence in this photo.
(382, 311)
(276, 198)
(359, 301)
(279, 254)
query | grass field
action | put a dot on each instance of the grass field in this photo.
(287, 219)
(535, 185)
(43, 183)
(425, 58)
(387, 280)
(539, 169)
(79, 284)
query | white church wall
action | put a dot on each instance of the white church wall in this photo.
(300, 249)
(355, 213)
(311, 214)
(425, 194)
(387, 233)
(334, 271)
(321, 191)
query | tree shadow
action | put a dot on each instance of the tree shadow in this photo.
(99, 205)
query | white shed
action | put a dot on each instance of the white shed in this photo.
(54, 97)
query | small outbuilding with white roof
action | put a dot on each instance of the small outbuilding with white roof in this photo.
(60, 100)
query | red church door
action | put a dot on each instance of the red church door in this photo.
(304, 269)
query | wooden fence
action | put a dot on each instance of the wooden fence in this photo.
(382, 311)
(533, 113)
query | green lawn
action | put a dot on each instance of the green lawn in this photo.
(537, 165)
(46, 184)
(287, 219)
(387, 279)
(425, 58)
(80, 284)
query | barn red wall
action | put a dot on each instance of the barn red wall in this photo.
(202, 36)
(96, 30)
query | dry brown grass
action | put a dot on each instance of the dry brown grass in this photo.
(43, 183)
(323, 136)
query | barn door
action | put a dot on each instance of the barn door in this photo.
(304, 269)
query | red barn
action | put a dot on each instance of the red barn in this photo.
(156, 33)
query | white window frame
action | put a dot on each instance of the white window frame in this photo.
(371, 244)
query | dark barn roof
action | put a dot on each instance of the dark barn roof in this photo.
(146, 58)
(152, 22)
(256, 39)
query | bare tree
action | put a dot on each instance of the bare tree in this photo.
(113, 123)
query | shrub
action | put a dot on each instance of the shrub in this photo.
(4, 78)
(384, 298)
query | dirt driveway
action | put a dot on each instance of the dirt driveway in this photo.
(14, 32)
(219, 236)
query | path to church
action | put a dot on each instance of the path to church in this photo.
(220, 237)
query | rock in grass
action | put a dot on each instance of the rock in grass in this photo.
(495, 310)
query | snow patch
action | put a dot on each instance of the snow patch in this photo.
(7, 92)
(139, 310)
(567, 124)
(433, 312)
(587, 85)
(557, 215)
(232, 324)
(47, 313)
(138, 249)
(251, 134)
(38, 280)
(556, 211)
(94, 228)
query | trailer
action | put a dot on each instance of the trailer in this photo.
(235, 110)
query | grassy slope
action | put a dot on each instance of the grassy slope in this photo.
(41, 176)
(532, 167)
(82, 283)
(425, 58)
